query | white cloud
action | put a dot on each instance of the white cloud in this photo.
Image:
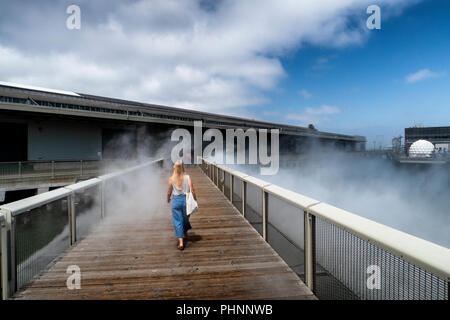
(422, 75)
(313, 115)
(178, 53)
(321, 63)
(305, 93)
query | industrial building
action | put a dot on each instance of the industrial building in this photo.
(438, 136)
(46, 124)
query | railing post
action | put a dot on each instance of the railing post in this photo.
(231, 187)
(81, 168)
(244, 197)
(72, 218)
(12, 256)
(310, 250)
(5, 258)
(223, 182)
(217, 176)
(8, 256)
(265, 209)
(2, 226)
(102, 199)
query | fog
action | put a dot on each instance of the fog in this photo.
(140, 193)
(414, 199)
(137, 196)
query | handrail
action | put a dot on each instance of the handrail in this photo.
(50, 161)
(293, 198)
(22, 171)
(422, 253)
(24, 205)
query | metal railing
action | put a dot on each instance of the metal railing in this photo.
(36, 230)
(32, 170)
(339, 255)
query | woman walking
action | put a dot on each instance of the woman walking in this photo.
(179, 185)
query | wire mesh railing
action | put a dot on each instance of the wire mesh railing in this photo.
(3, 262)
(36, 230)
(337, 254)
(401, 280)
(41, 234)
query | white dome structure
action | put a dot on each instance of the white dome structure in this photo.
(421, 149)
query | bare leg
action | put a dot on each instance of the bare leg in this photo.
(180, 244)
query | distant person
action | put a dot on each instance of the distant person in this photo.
(179, 185)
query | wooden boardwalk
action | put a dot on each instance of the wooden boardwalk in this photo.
(224, 258)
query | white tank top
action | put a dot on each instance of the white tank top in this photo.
(184, 188)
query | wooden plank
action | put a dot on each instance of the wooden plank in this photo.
(224, 258)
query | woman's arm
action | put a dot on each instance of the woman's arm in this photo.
(192, 188)
(169, 191)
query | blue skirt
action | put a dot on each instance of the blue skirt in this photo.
(179, 216)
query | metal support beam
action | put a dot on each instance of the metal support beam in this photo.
(217, 176)
(309, 252)
(72, 219)
(13, 259)
(231, 187)
(244, 197)
(2, 226)
(265, 209)
(5, 228)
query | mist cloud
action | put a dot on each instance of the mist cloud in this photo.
(413, 199)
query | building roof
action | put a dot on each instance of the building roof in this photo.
(37, 99)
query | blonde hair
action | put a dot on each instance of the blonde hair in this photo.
(178, 174)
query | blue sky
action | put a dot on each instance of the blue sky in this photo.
(297, 62)
(367, 83)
